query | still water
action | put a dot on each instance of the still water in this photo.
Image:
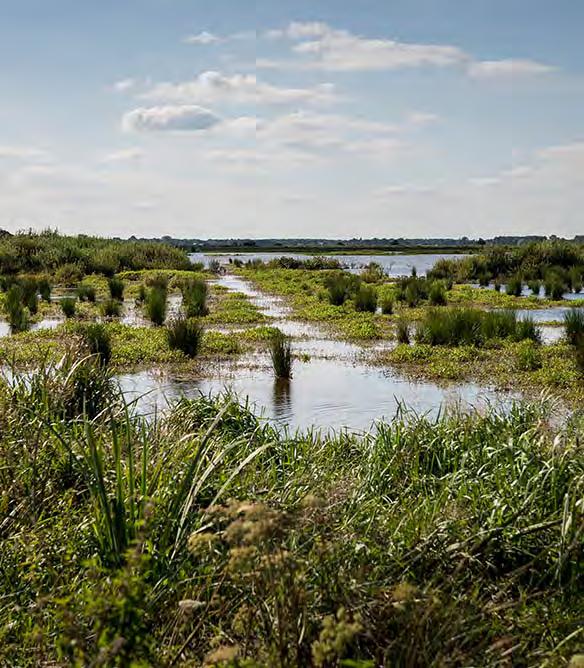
(394, 265)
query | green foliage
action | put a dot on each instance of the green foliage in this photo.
(455, 327)
(116, 288)
(194, 293)
(96, 338)
(280, 348)
(111, 308)
(86, 293)
(373, 273)
(574, 324)
(341, 286)
(514, 286)
(437, 294)
(366, 299)
(155, 305)
(68, 306)
(529, 357)
(402, 331)
(387, 304)
(185, 334)
(15, 312)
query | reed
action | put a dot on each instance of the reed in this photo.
(68, 306)
(366, 299)
(194, 293)
(116, 288)
(185, 334)
(574, 324)
(111, 308)
(280, 347)
(15, 312)
(156, 306)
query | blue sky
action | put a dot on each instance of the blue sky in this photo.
(319, 119)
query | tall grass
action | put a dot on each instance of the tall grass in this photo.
(97, 340)
(15, 312)
(111, 308)
(156, 306)
(116, 288)
(86, 293)
(280, 347)
(366, 299)
(185, 334)
(402, 331)
(194, 293)
(455, 327)
(574, 324)
(68, 306)
(203, 534)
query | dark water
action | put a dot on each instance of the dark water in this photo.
(394, 265)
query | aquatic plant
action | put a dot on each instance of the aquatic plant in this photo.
(280, 347)
(86, 292)
(29, 292)
(96, 338)
(68, 306)
(44, 289)
(402, 331)
(185, 334)
(387, 304)
(437, 294)
(194, 293)
(111, 308)
(514, 286)
(574, 324)
(372, 273)
(116, 288)
(214, 266)
(534, 286)
(142, 293)
(16, 314)
(156, 306)
(366, 299)
(340, 287)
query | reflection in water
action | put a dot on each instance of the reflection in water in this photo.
(282, 402)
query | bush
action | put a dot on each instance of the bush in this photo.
(340, 287)
(111, 308)
(15, 311)
(535, 287)
(68, 306)
(86, 293)
(456, 327)
(387, 304)
(29, 290)
(281, 355)
(437, 294)
(97, 340)
(514, 286)
(185, 334)
(554, 288)
(156, 306)
(574, 324)
(116, 288)
(44, 289)
(366, 299)
(402, 331)
(194, 292)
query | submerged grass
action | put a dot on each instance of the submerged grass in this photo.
(204, 535)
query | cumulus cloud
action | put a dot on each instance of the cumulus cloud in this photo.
(204, 38)
(212, 86)
(176, 118)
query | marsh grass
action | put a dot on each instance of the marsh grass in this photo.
(111, 308)
(156, 306)
(574, 324)
(280, 347)
(387, 304)
(97, 340)
(44, 289)
(16, 314)
(68, 306)
(194, 293)
(185, 334)
(116, 288)
(340, 287)
(206, 530)
(456, 327)
(402, 332)
(366, 299)
(86, 293)
(514, 286)
(437, 294)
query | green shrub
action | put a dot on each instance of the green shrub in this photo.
(402, 331)
(366, 299)
(281, 355)
(574, 324)
(68, 306)
(44, 289)
(97, 340)
(29, 289)
(372, 273)
(535, 287)
(156, 306)
(341, 286)
(387, 304)
(86, 293)
(185, 334)
(514, 286)
(141, 296)
(111, 308)
(437, 294)
(15, 312)
(194, 293)
(116, 288)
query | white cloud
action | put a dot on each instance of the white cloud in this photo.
(123, 155)
(23, 153)
(124, 85)
(177, 118)
(320, 46)
(212, 86)
(511, 68)
(204, 38)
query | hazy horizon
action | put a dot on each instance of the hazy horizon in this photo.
(336, 119)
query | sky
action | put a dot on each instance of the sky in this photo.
(320, 118)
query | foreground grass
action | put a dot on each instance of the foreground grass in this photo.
(206, 536)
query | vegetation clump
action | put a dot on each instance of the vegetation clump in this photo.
(111, 308)
(156, 305)
(116, 288)
(16, 313)
(280, 348)
(194, 293)
(185, 334)
(69, 306)
(366, 299)
(96, 338)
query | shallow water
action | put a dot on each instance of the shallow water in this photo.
(554, 314)
(394, 265)
(325, 394)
